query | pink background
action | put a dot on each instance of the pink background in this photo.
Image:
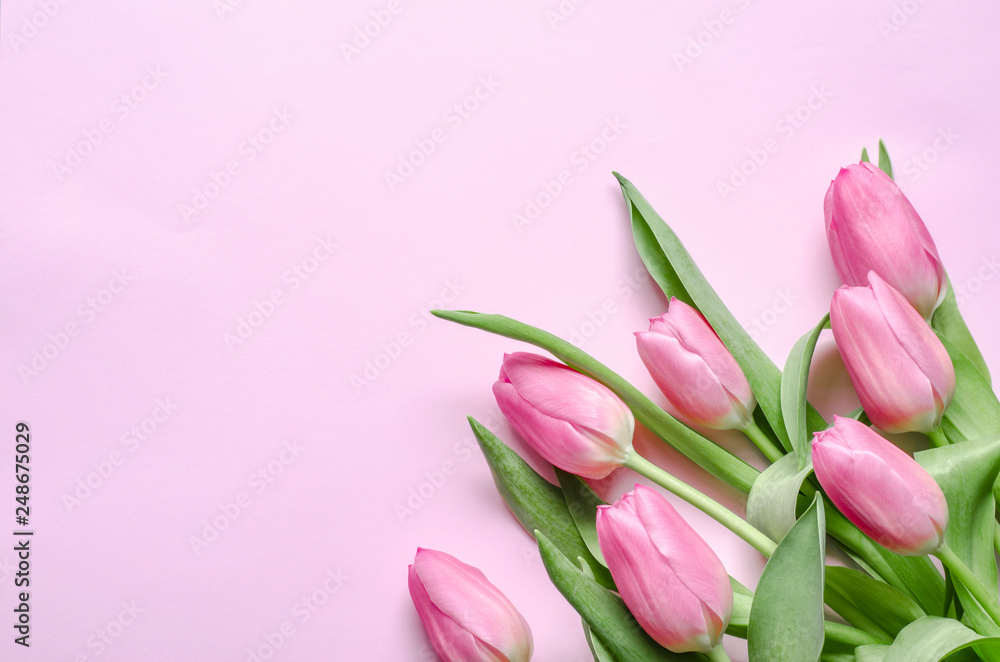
(94, 188)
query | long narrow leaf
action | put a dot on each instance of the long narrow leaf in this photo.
(582, 504)
(794, 382)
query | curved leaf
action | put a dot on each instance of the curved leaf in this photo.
(794, 381)
(788, 625)
(929, 639)
(773, 498)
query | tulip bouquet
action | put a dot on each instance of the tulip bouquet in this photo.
(647, 587)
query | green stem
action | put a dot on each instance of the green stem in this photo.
(937, 437)
(763, 442)
(964, 574)
(706, 504)
(718, 654)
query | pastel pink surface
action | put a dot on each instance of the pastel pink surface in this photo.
(225, 298)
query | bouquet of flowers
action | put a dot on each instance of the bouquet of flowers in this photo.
(645, 584)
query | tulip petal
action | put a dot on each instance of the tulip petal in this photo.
(559, 442)
(896, 394)
(697, 336)
(699, 397)
(871, 226)
(833, 238)
(880, 488)
(660, 602)
(450, 641)
(464, 595)
(693, 561)
(563, 393)
(917, 338)
(875, 498)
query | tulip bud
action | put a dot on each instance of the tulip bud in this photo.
(701, 380)
(871, 226)
(670, 579)
(466, 617)
(900, 370)
(571, 420)
(887, 495)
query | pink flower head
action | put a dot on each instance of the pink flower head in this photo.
(466, 617)
(670, 579)
(701, 380)
(871, 226)
(887, 495)
(571, 420)
(901, 371)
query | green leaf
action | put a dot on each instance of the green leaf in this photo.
(597, 647)
(582, 504)
(864, 155)
(919, 576)
(948, 322)
(534, 501)
(673, 269)
(603, 611)
(703, 452)
(929, 639)
(871, 653)
(883, 159)
(886, 606)
(966, 473)
(794, 382)
(975, 411)
(786, 621)
(773, 498)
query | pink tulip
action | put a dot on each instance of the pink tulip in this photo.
(466, 617)
(901, 371)
(887, 495)
(670, 579)
(572, 421)
(871, 226)
(701, 380)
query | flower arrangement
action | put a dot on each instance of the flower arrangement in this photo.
(646, 585)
